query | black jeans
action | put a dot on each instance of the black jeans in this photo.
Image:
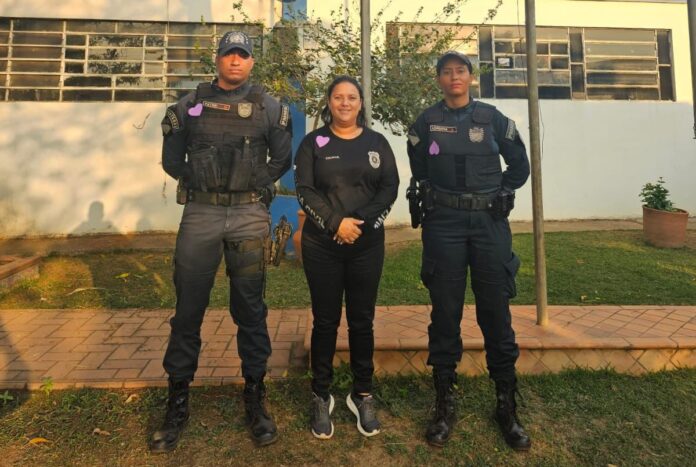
(205, 233)
(331, 270)
(454, 241)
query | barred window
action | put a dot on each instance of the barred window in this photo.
(573, 63)
(88, 60)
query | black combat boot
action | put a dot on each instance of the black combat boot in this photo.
(261, 426)
(166, 438)
(442, 424)
(506, 416)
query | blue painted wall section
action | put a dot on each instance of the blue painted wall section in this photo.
(287, 205)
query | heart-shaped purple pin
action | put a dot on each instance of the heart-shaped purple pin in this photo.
(196, 110)
(434, 149)
(322, 141)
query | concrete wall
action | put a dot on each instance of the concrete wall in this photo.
(85, 167)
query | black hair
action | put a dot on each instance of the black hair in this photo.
(326, 112)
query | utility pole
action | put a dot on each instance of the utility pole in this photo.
(366, 59)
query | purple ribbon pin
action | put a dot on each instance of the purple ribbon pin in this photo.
(196, 110)
(322, 141)
(434, 149)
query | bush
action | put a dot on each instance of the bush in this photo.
(656, 196)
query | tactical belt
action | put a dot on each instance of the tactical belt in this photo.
(232, 198)
(465, 201)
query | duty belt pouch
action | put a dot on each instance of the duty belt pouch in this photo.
(206, 169)
(242, 168)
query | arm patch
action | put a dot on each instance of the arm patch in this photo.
(284, 115)
(511, 130)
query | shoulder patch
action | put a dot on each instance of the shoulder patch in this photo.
(511, 131)
(284, 115)
(173, 120)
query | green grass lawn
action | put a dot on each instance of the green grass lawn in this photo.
(608, 267)
(574, 418)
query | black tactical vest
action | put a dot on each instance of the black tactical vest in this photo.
(233, 135)
(463, 156)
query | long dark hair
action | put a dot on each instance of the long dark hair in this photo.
(326, 112)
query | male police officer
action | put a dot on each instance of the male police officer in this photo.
(226, 143)
(454, 149)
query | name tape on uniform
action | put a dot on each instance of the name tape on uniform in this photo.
(443, 129)
(216, 106)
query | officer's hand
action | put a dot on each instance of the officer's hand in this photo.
(348, 231)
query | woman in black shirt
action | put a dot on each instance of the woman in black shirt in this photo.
(346, 181)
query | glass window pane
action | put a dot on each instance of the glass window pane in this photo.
(621, 78)
(3, 65)
(190, 28)
(663, 47)
(36, 66)
(76, 40)
(34, 94)
(116, 40)
(637, 64)
(142, 27)
(577, 79)
(510, 77)
(185, 54)
(576, 52)
(188, 41)
(503, 62)
(4, 24)
(185, 68)
(559, 49)
(666, 89)
(623, 93)
(511, 92)
(153, 69)
(554, 92)
(37, 39)
(4, 37)
(486, 82)
(598, 34)
(91, 26)
(3, 52)
(542, 62)
(154, 54)
(123, 53)
(139, 82)
(25, 81)
(74, 67)
(503, 47)
(87, 95)
(75, 54)
(183, 82)
(521, 48)
(36, 52)
(88, 81)
(154, 41)
(114, 68)
(508, 32)
(544, 33)
(559, 63)
(645, 50)
(139, 96)
(554, 77)
(485, 44)
(38, 25)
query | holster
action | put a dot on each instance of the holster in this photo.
(503, 204)
(414, 204)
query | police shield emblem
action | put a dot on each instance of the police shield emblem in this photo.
(244, 109)
(374, 159)
(476, 134)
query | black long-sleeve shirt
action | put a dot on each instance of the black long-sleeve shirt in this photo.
(337, 178)
(506, 136)
(279, 137)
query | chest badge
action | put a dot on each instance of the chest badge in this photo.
(374, 159)
(244, 109)
(476, 134)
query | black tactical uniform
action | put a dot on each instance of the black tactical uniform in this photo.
(226, 148)
(456, 152)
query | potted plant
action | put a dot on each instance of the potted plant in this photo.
(663, 225)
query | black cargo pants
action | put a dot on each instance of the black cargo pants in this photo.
(206, 233)
(453, 242)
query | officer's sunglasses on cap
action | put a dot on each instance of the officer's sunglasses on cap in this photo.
(243, 54)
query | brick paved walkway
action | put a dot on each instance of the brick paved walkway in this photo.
(124, 348)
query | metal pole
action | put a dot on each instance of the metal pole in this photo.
(691, 8)
(537, 199)
(366, 59)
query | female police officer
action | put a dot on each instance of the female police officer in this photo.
(454, 149)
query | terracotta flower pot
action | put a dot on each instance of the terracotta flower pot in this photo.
(297, 236)
(665, 229)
